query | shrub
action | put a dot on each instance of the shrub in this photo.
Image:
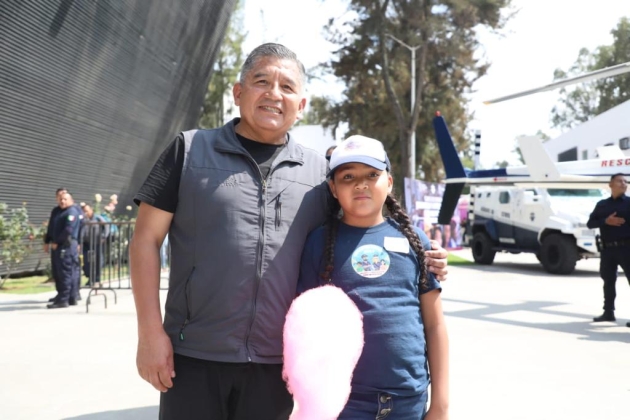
(16, 238)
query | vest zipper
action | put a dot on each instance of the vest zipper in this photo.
(187, 320)
(261, 247)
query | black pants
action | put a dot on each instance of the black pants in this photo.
(67, 267)
(92, 271)
(611, 259)
(225, 391)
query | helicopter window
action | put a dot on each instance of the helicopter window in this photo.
(504, 197)
(624, 143)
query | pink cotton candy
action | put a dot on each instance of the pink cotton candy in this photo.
(323, 340)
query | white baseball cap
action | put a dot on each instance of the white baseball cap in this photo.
(359, 149)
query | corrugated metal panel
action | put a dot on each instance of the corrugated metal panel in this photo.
(91, 91)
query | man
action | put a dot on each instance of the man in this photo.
(94, 233)
(611, 217)
(65, 252)
(48, 238)
(237, 203)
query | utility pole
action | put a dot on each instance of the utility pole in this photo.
(412, 143)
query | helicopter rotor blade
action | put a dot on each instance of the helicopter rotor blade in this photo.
(594, 75)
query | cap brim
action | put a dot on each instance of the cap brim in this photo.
(374, 163)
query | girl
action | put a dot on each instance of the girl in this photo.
(379, 263)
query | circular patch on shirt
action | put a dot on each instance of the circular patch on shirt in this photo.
(370, 261)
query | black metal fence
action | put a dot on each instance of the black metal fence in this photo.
(105, 259)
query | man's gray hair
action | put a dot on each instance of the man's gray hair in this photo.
(271, 50)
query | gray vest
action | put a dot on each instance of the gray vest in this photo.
(236, 242)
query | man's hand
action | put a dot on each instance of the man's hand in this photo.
(613, 220)
(436, 261)
(54, 246)
(155, 360)
(46, 248)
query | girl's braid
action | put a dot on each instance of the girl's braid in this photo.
(399, 215)
(332, 226)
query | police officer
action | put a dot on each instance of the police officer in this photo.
(48, 238)
(612, 216)
(94, 233)
(65, 252)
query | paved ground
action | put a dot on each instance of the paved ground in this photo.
(522, 347)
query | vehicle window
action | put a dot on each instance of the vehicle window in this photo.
(566, 192)
(504, 197)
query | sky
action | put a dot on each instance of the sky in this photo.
(543, 35)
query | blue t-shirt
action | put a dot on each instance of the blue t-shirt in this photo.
(379, 271)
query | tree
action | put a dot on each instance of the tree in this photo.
(224, 74)
(579, 103)
(376, 71)
(16, 238)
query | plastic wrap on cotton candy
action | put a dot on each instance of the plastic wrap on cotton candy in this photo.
(323, 340)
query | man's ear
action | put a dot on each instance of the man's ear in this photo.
(333, 190)
(301, 107)
(236, 93)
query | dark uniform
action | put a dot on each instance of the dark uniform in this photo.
(615, 247)
(93, 237)
(65, 235)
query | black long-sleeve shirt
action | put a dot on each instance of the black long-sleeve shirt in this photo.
(67, 224)
(51, 222)
(603, 209)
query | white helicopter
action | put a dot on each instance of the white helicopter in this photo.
(539, 169)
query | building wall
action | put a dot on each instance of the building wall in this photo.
(609, 127)
(92, 91)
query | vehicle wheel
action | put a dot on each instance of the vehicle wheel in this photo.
(559, 254)
(482, 248)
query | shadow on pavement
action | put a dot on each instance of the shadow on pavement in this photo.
(585, 330)
(141, 413)
(23, 305)
(528, 269)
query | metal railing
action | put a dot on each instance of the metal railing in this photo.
(105, 259)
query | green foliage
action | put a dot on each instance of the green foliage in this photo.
(453, 259)
(128, 216)
(28, 285)
(16, 237)
(377, 73)
(581, 102)
(226, 68)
